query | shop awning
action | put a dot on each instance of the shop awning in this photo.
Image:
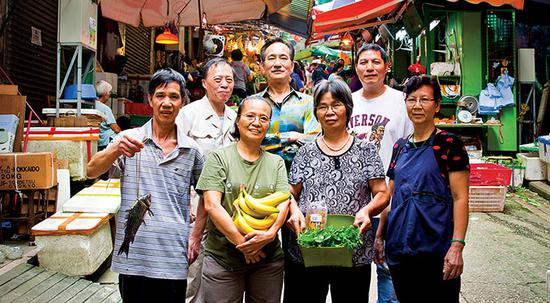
(352, 15)
(319, 50)
(517, 4)
(293, 18)
(186, 12)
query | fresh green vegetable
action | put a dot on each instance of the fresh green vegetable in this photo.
(331, 236)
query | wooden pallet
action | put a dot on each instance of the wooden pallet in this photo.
(27, 283)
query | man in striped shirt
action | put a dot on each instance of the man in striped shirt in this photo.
(160, 160)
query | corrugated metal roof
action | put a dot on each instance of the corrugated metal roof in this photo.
(138, 49)
(31, 66)
(294, 18)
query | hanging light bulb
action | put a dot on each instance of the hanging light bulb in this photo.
(347, 40)
(250, 49)
(167, 37)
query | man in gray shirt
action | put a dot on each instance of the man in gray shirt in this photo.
(159, 160)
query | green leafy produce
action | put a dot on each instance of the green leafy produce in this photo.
(331, 236)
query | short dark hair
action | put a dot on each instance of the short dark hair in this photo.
(164, 76)
(372, 47)
(415, 82)
(235, 132)
(212, 62)
(236, 55)
(339, 91)
(273, 41)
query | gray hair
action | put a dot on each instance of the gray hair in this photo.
(338, 89)
(102, 87)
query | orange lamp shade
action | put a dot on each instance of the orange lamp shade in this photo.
(167, 37)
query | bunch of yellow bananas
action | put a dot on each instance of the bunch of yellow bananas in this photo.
(256, 214)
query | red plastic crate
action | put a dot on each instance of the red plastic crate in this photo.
(489, 174)
(142, 109)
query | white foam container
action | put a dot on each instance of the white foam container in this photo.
(103, 196)
(535, 169)
(77, 249)
(74, 144)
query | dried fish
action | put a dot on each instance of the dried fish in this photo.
(134, 218)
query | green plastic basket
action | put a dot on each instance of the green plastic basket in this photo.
(330, 256)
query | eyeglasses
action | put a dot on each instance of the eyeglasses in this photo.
(252, 118)
(324, 108)
(423, 100)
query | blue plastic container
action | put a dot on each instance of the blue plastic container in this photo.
(88, 92)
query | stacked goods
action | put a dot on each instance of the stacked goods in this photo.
(256, 214)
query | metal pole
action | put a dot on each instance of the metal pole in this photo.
(79, 81)
(534, 111)
(69, 70)
(58, 78)
(201, 34)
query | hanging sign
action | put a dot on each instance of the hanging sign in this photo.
(36, 36)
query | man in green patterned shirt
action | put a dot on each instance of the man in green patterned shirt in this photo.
(293, 122)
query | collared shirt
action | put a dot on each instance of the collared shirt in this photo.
(159, 249)
(294, 113)
(199, 122)
(106, 133)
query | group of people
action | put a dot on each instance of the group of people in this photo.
(356, 151)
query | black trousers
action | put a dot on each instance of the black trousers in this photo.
(420, 279)
(143, 289)
(347, 284)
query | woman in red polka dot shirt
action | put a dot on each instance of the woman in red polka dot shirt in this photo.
(427, 223)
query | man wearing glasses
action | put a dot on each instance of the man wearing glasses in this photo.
(379, 116)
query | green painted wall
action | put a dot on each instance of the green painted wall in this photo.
(471, 53)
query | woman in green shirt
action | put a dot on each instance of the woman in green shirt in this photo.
(254, 264)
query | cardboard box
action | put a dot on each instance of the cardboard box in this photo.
(8, 89)
(15, 105)
(33, 171)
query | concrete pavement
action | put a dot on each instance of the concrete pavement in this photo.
(508, 254)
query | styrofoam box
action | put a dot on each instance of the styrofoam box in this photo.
(535, 169)
(74, 254)
(95, 199)
(544, 148)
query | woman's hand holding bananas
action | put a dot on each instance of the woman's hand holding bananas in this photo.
(258, 220)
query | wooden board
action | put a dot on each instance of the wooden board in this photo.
(15, 282)
(27, 284)
(55, 290)
(41, 288)
(113, 298)
(22, 289)
(71, 291)
(85, 293)
(102, 294)
(21, 268)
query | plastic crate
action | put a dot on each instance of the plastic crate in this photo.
(330, 256)
(487, 198)
(489, 174)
